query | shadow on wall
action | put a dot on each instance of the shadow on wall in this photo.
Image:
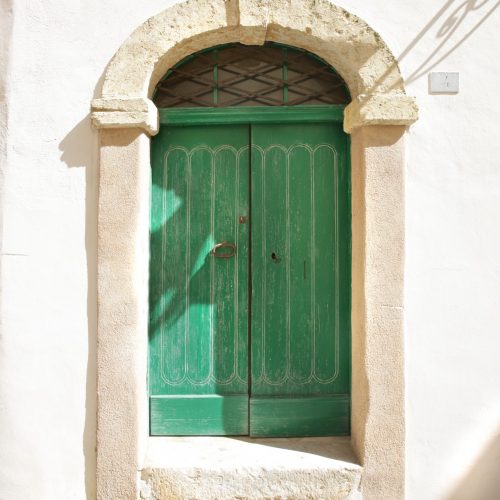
(79, 149)
(482, 481)
(454, 23)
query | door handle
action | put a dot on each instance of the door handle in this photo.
(224, 255)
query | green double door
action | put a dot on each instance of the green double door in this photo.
(250, 281)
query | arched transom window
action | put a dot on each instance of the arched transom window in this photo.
(242, 75)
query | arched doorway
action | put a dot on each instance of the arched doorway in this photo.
(376, 118)
(250, 246)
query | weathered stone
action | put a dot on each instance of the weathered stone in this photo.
(125, 113)
(380, 110)
(215, 468)
(343, 40)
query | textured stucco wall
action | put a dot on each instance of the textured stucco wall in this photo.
(57, 54)
(452, 285)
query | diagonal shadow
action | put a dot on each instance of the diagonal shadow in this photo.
(450, 29)
(185, 300)
(482, 480)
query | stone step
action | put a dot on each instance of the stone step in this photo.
(221, 468)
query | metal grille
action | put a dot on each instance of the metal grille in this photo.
(242, 75)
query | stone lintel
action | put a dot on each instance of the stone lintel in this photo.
(388, 109)
(125, 112)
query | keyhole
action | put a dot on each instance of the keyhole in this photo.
(273, 256)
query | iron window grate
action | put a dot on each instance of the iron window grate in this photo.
(243, 75)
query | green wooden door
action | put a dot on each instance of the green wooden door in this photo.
(300, 281)
(198, 362)
(256, 343)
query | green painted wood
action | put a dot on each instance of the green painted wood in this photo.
(300, 253)
(311, 416)
(258, 114)
(198, 302)
(299, 300)
(195, 415)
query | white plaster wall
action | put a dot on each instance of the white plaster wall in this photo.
(58, 51)
(453, 245)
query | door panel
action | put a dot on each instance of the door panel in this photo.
(203, 415)
(198, 368)
(294, 247)
(300, 304)
(299, 416)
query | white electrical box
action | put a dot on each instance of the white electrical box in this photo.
(443, 83)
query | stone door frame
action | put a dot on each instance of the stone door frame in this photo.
(376, 118)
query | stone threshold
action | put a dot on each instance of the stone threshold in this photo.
(221, 468)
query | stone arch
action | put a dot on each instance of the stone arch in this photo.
(343, 40)
(376, 119)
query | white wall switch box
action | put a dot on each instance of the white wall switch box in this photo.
(443, 83)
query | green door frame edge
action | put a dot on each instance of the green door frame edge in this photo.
(251, 114)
